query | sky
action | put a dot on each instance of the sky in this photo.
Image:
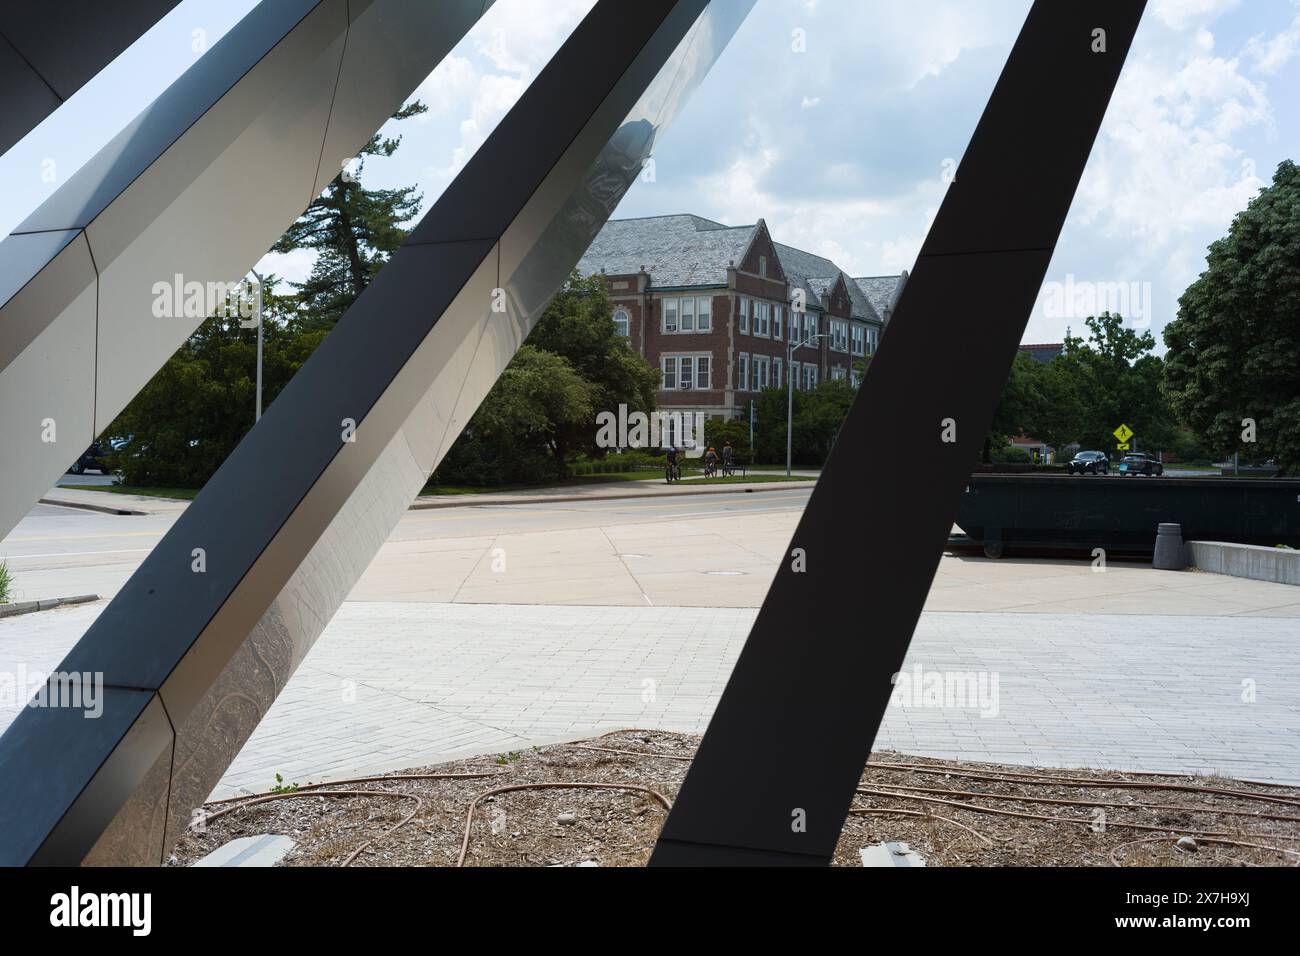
(835, 122)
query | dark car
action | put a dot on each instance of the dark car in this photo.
(92, 459)
(1140, 463)
(1089, 463)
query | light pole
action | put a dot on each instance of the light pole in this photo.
(258, 305)
(789, 393)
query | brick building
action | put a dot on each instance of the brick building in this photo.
(716, 307)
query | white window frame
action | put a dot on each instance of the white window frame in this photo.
(744, 315)
(839, 330)
(873, 339)
(703, 372)
(761, 372)
(777, 369)
(624, 325)
(839, 373)
(859, 339)
(777, 311)
(704, 313)
(742, 372)
(667, 362)
(663, 322)
(810, 376)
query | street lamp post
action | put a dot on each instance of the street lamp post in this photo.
(789, 393)
(258, 414)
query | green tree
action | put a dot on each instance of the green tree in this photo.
(818, 415)
(514, 437)
(719, 431)
(502, 444)
(1234, 348)
(579, 326)
(1118, 380)
(196, 409)
(353, 231)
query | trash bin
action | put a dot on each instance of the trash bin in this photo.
(1170, 555)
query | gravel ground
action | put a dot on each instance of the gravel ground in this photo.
(1103, 813)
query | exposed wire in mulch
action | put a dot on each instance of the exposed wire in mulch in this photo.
(1114, 853)
(469, 814)
(1081, 821)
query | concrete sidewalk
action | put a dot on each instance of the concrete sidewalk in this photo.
(404, 685)
(113, 502)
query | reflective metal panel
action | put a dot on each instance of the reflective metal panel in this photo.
(291, 520)
(48, 51)
(196, 189)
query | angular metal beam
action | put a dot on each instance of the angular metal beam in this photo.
(195, 189)
(774, 777)
(193, 659)
(48, 51)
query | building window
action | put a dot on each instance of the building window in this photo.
(839, 335)
(670, 315)
(809, 325)
(762, 266)
(810, 376)
(776, 321)
(668, 365)
(686, 307)
(795, 375)
(685, 372)
(762, 369)
(704, 314)
(762, 318)
(689, 314)
(873, 339)
(703, 372)
(622, 322)
(839, 373)
(859, 337)
(776, 372)
(742, 379)
(744, 315)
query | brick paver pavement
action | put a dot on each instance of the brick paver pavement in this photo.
(403, 684)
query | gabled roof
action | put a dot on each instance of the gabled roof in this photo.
(680, 250)
(818, 275)
(881, 291)
(685, 250)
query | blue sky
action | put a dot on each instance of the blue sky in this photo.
(840, 145)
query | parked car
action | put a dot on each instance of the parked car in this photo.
(1140, 463)
(92, 459)
(1088, 463)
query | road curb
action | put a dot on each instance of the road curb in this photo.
(49, 604)
(102, 509)
(467, 500)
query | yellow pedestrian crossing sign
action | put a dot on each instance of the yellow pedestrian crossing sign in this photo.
(1123, 433)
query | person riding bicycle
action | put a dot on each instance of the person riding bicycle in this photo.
(710, 463)
(673, 469)
(727, 462)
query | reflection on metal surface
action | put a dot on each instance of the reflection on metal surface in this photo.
(776, 772)
(196, 188)
(291, 520)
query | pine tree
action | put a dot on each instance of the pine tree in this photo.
(353, 230)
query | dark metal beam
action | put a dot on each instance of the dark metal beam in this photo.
(776, 772)
(193, 659)
(48, 51)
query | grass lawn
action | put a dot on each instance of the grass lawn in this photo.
(185, 493)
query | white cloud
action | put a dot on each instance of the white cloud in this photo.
(1270, 55)
(1181, 14)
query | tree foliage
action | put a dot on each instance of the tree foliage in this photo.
(353, 231)
(541, 413)
(1234, 349)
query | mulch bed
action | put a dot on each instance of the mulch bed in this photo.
(1095, 818)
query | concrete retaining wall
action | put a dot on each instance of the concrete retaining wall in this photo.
(1252, 561)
